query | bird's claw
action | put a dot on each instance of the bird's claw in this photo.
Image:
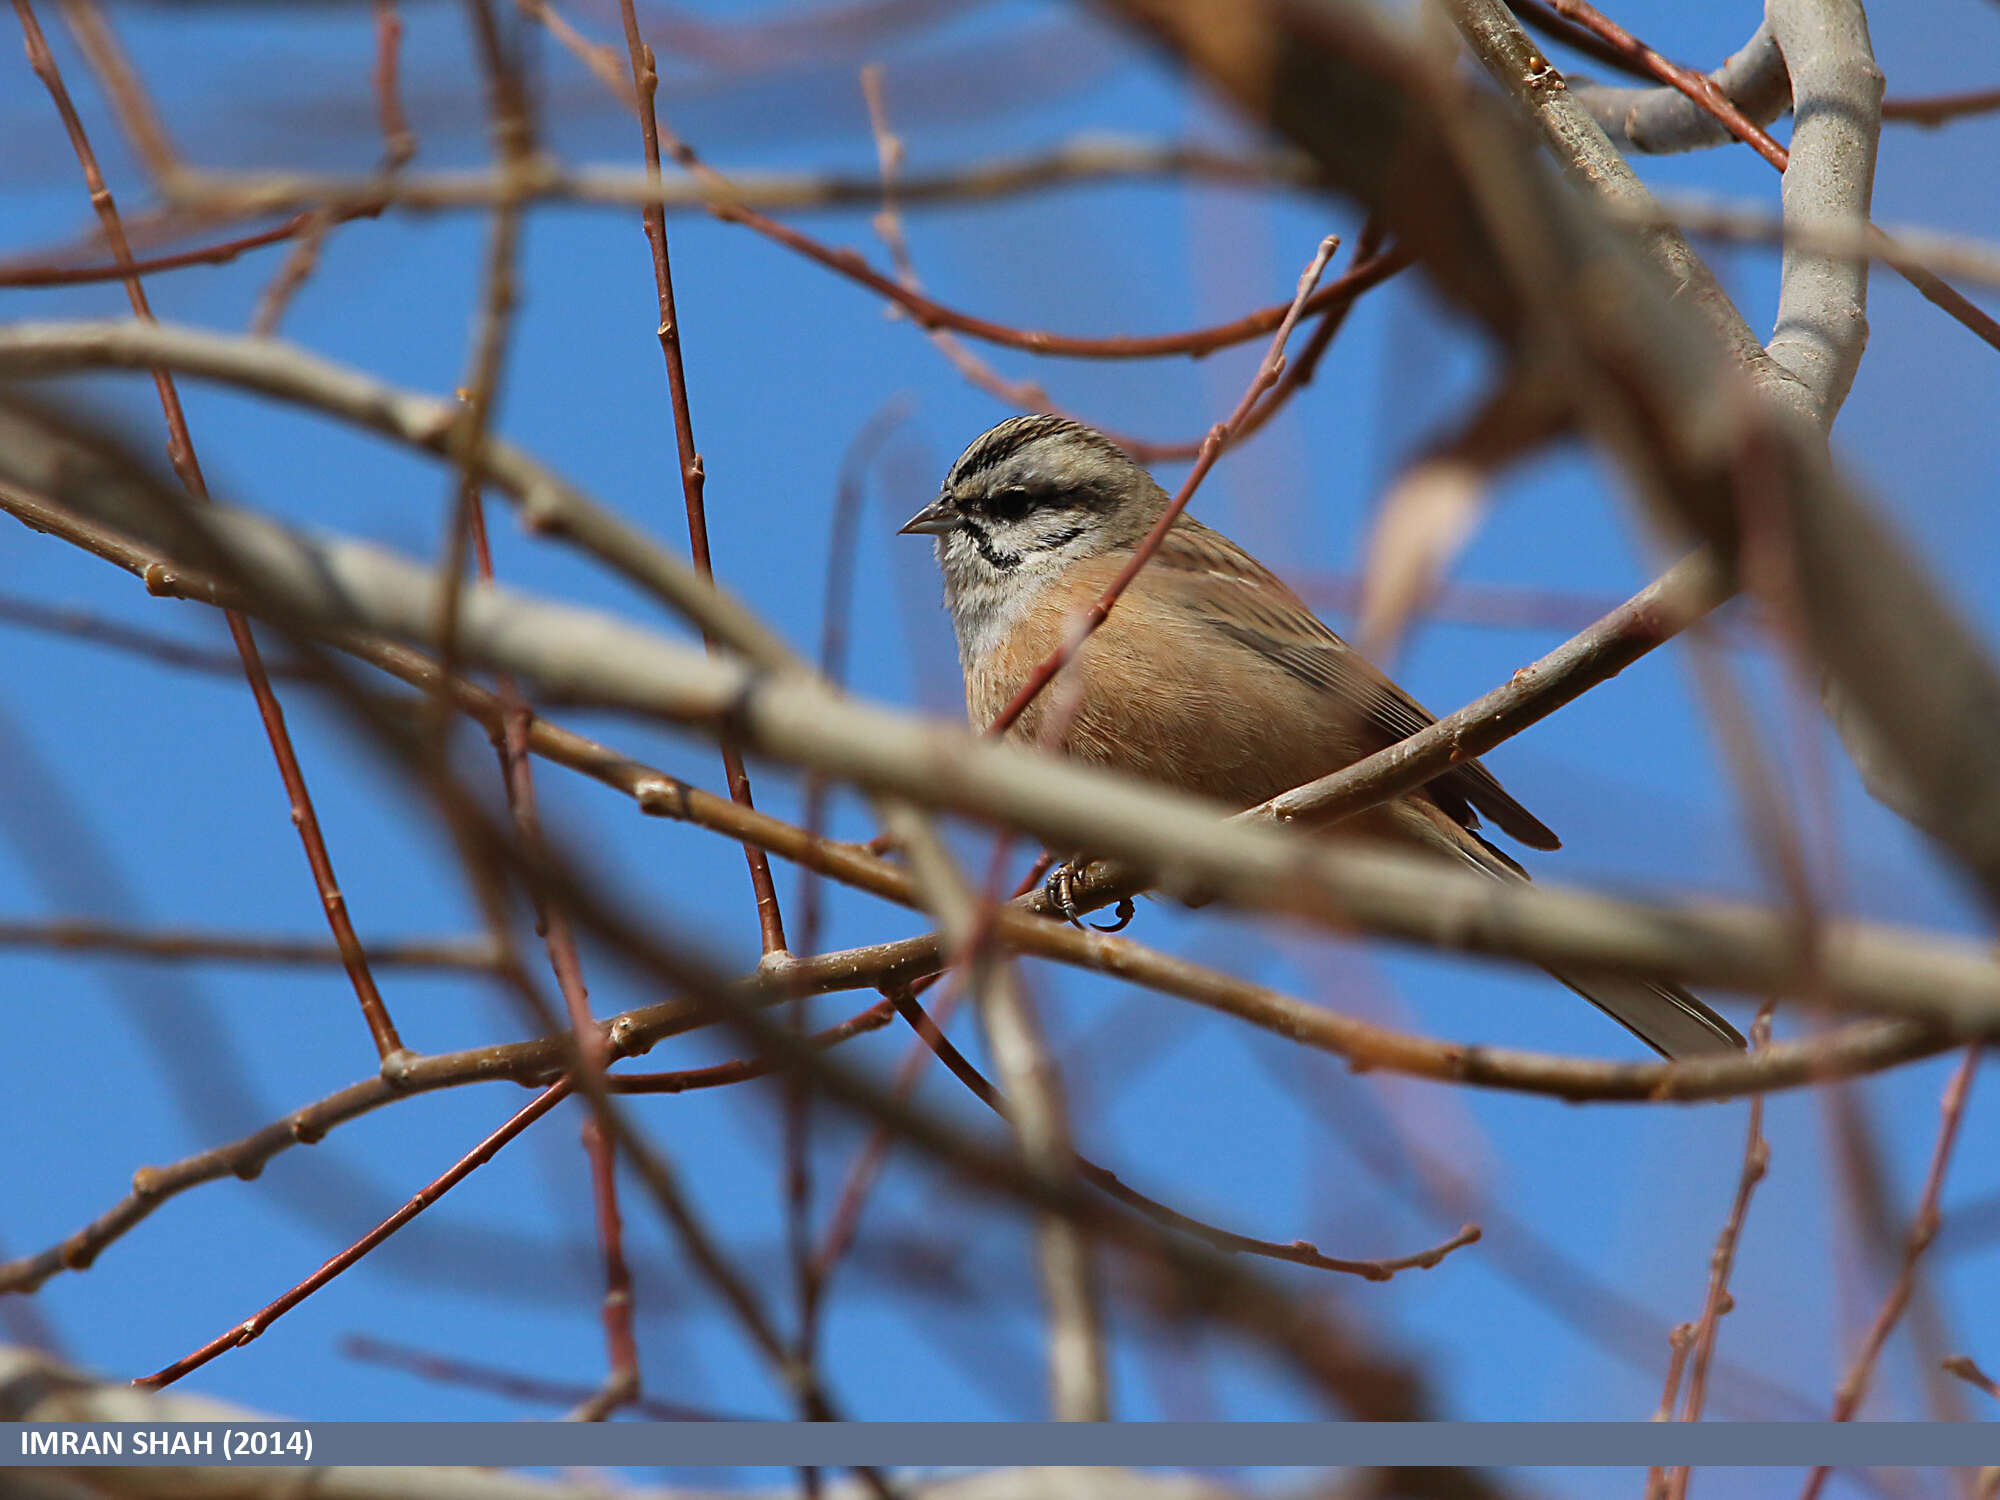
(1061, 888)
(1121, 917)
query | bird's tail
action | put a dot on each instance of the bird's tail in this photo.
(1663, 1016)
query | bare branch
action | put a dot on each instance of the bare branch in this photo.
(1658, 120)
(1653, 616)
(1830, 179)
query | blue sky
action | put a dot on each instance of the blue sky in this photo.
(148, 796)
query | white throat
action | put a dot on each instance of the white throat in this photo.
(985, 602)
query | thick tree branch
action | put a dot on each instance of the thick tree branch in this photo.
(1659, 120)
(1830, 179)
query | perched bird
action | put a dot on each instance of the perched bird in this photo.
(1209, 675)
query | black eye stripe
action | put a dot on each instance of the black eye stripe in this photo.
(1014, 502)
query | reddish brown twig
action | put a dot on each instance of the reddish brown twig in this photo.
(621, 1380)
(1268, 371)
(292, 275)
(743, 1069)
(1962, 1366)
(1927, 110)
(866, 1167)
(1680, 1339)
(464, 1167)
(208, 255)
(1756, 1160)
(928, 313)
(932, 314)
(1923, 1229)
(1700, 88)
(399, 144)
(180, 450)
(513, 137)
(1031, 395)
(1933, 110)
(1697, 86)
(646, 80)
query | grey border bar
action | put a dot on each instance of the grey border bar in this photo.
(1004, 1444)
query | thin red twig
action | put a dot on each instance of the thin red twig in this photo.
(464, 1167)
(1933, 110)
(743, 1069)
(1923, 1229)
(646, 79)
(1268, 371)
(1696, 85)
(513, 134)
(1928, 110)
(1756, 1161)
(1680, 1339)
(932, 314)
(208, 255)
(399, 144)
(866, 1167)
(1962, 1366)
(180, 451)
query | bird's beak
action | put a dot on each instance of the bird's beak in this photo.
(934, 519)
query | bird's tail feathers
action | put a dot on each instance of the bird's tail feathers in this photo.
(1664, 1016)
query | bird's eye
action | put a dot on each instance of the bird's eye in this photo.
(1010, 504)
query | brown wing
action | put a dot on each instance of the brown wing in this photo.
(1235, 594)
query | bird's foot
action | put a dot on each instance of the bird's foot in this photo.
(1061, 888)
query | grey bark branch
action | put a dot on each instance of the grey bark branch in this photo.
(579, 655)
(1581, 144)
(1661, 120)
(1837, 122)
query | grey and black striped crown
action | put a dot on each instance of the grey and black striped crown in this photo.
(998, 444)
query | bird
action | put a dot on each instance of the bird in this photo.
(1209, 675)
